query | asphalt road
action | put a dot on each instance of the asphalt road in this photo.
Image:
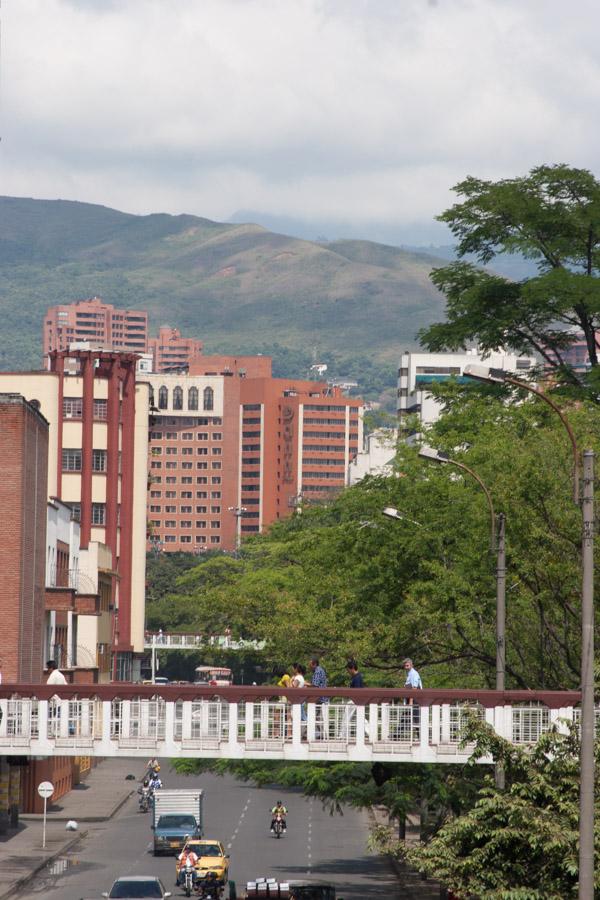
(237, 814)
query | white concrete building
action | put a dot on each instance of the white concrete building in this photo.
(418, 371)
(376, 457)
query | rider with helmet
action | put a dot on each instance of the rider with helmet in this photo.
(279, 810)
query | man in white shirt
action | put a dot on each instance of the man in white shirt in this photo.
(55, 675)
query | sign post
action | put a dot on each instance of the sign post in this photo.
(45, 790)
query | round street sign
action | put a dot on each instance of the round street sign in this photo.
(45, 789)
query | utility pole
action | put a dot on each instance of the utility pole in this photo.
(587, 762)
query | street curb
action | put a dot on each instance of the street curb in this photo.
(37, 817)
(9, 894)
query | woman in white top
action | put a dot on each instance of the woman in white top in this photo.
(298, 680)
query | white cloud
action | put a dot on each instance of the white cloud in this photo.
(317, 109)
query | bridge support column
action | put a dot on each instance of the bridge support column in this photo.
(232, 742)
(4, 719)
(106, 722)
(360, 728)
(249, 720)
(170, 722)
(436, 726)
(43, 721)
(424, 729)
(186, 721)
(126, 719)
(443, 714)
(296, 710)
(311, 722)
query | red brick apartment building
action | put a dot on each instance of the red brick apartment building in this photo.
(98, 450)
(233, 449)
(172, 351)
(97, 322)
(23, 497)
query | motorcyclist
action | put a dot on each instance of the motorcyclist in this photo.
(187, 859)
(209, 888)
(144, 792)
(279, 810)
(155, 783)
(152, 767)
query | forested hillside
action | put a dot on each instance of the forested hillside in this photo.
(352, 304)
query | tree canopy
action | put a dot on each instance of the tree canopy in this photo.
(550, 216)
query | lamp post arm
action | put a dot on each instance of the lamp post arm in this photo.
(485, 490)
(533, 390)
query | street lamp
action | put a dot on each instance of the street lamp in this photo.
(496, 543)
(586, 753)
(392, 513)
(238, 512)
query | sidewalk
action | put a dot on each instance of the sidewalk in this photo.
(96, 799)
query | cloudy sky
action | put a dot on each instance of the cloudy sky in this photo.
(336, 117)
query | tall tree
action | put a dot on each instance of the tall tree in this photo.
(551, 216)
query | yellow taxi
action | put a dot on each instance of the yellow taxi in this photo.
(211, 858)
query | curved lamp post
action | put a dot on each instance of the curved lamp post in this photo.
(586, 753)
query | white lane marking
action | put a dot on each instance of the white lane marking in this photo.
(309, 839)
(237, 828)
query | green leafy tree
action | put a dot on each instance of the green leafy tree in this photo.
(516, 844)
(551, 216)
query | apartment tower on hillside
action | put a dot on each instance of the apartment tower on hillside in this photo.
(97, 323)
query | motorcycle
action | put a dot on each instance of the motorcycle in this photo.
(188, 879)
(144, 801)
(278, 825)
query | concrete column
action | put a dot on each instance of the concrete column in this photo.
(296, 726)
(233, 728)
(87, 446)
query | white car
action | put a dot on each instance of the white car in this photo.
(137, 887)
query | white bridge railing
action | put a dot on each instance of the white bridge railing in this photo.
(174, 641)
(244, 722)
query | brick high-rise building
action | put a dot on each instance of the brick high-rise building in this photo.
(23, 497)
(95, 322)
(98, 451)
(172, 351)
(233, 449)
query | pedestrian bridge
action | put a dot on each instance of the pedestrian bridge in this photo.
(243, 722)
(162, 640)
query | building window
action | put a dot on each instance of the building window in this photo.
(217, 451)
(156, 509)
(202, 465)
(157, 479)
(186, 523)
(215, 510)
(170, 509)
(202, 436)
(217, 436)
(156, 465)
(202, 479)
(187, 465)
(99, 461)
(72, 407)
(169, 465)
(188, 435)
(200, 510)
(170, 495)
(163, 398)
(187, 451)
(216, 465)
(186, 479)
(101, 410)
(172, 451)
(71, 460)
(75, 511)
(171, 479)
(209, 398)
(216, 479)
(170, 538)
(186, 539)
(170, 523)
(185, 509)
(215, 539)
(193, 398)
(215, 524)
(201, 495)
(98, 513)
(171, 435)
(200, 538)
(155, 435)
(177, 398)
(186, 495)
(202, 451)
(156, 493)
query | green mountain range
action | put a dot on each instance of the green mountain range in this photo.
(352, 304)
